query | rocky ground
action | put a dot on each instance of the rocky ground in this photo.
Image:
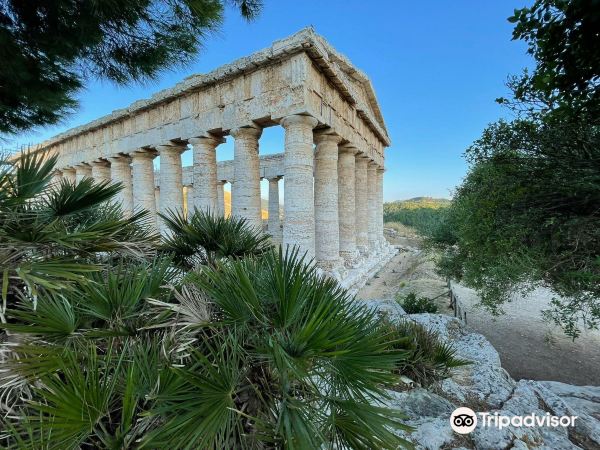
(532, 351)
(529, 347)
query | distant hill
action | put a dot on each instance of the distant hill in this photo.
(420, 202)
(424, 214)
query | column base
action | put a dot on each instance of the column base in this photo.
(331, 265)
(352, 259)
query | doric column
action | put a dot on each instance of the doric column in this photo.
(274, 226)
(362, 204)
(299, 206)
(221, 197)
(120, 172)
(69, 174)
(171, 180)
(204, 173)
(82, 171)
(101, 171)
(327, 242)
(381, 237)
(143, 183)
(373, 199)
(245, 192)
(347, 203)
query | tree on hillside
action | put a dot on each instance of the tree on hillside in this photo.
(529, 208)
(50, 48)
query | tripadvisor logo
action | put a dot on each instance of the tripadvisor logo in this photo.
(464, 420)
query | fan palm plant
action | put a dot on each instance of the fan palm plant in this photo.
(285, 359)
(289, 361)
(51, 235)
(111, 346)
(203, 238)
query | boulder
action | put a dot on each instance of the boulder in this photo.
(485, 386)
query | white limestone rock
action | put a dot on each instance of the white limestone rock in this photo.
(387, 308)
(580, 401)
(429, 414)
(486, 387)
(485, 379)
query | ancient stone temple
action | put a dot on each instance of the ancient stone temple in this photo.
(331, 167)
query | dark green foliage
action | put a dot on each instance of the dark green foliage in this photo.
(529, 209)
(51, 236)
(50, 48)
(204, 238)
(562, 36)
(417, 305)
(119, 348)
(297, 356)
(427, 358)
(288, 360)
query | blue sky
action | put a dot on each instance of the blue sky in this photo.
(436, 67)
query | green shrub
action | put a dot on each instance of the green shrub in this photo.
(417, 305)
(428, 359)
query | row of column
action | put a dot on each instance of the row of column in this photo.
(333, 204)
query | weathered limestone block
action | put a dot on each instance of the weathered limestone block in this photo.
(120, 172)
(327, 245)
(274, 225)
(362, 204)
(171, 186)
(204, 173)
(143, 183)
(100, 171)
(82, 171)
(347, 204)
(299, 224)
(245, 192)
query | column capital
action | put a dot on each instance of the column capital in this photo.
(348, 149)
(100, 162)
(119, 159)
(251, 131)
(362, 158)
(171, 148)
(298, 119)
(274, 179)
(206, 139)
(82, 165)
(326, 136)
(143, 154)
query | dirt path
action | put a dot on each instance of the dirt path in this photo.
(529, 347)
